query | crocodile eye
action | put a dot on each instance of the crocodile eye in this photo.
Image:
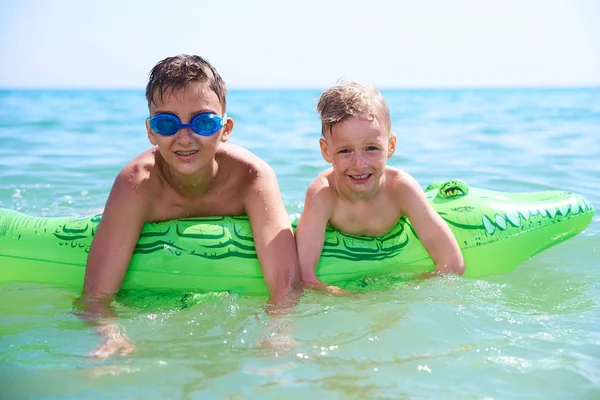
(453, 188)
(453, 191)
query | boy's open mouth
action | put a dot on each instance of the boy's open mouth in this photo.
(360, 178)
(186, 153)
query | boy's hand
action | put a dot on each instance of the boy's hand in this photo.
(336, 291)
(276, 337)
(114, 342)
(330, 290)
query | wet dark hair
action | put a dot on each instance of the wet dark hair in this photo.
(177, 72)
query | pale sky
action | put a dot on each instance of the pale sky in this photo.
(307, 43)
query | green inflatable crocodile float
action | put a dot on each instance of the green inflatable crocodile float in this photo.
(496, 232)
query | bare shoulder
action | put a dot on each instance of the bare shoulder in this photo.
(323, 183)
(321, 191)
(140, 175)
(249, 180)
(243, 163)
(404, 189)
(399, 181)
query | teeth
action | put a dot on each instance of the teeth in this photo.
(364, 176)
(575, 208)
(489, 227)
(185, 153)
(585, 206)
(564, 209)
(500, 221)
(513, 217)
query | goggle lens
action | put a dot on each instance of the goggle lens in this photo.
(204, 124)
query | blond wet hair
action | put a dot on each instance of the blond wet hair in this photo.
(352, 99)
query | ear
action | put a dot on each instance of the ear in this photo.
(227, 128)
(325, 152)
(151, 134)
(391, 145)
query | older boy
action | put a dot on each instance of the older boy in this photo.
(360, 195)
(190, 172)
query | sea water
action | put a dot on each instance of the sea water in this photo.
(530, 333)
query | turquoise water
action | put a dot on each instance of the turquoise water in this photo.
(531, 333)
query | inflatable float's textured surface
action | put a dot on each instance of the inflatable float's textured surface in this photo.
(496, 232)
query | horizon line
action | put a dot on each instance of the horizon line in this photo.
(292, 88)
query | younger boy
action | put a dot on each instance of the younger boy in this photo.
(360, 195)
(190, 172)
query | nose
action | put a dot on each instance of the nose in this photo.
(360, 160)
(185, 135)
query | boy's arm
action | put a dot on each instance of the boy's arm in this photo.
(116, 236)
(310, 232)
(108, 260)
(273, 238)
(432, 230)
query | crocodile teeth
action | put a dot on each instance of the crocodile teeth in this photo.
(513, 217)
(552, 212)
(487, 224)
(564, 209)
(500, 221)
(584, 206)
(525, 214)
(575, 208)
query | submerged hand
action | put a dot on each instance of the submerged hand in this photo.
(329, 290)
(114, 342)
(336, 291)
(277, 337)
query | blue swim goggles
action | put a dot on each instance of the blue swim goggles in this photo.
(204, 124)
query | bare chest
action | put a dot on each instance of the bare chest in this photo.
(226, 201)
(372, 219)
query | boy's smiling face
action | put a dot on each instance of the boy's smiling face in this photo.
(358, 149)
(185, 151)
